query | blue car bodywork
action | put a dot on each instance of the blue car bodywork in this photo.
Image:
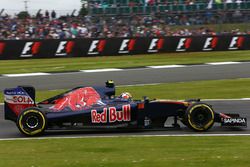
(98, 107)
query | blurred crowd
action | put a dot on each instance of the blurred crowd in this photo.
(49, 26)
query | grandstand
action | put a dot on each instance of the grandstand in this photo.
(125, 7)
(175, 12)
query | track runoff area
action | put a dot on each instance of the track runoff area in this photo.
(224, 70)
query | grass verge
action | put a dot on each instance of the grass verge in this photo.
(216, 27)
(128, 152)
(215, 89)
(70, 64)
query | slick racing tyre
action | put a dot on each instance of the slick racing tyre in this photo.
(32, 122)
(199, 117)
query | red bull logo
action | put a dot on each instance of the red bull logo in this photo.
(111, 115)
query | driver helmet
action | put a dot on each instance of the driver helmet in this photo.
(126, 95)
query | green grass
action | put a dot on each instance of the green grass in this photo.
(68, 64)
(127, 152)
(216, 27)
(219, 89)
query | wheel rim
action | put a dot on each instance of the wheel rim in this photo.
(32, 122)
(201, 117)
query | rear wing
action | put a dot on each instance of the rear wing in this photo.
(17, 99)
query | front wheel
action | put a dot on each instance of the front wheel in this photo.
(199, 117)
(32, 122)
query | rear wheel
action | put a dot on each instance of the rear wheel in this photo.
(32, 122)
(199, 117)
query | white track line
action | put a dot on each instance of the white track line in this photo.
(223, 63)
(167, 66)
(245, 98)
(120, 136)
(26, 74)
(102, 70)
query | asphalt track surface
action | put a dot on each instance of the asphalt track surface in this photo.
(8, 129)
(131, 76)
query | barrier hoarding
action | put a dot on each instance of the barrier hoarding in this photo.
(18, 49)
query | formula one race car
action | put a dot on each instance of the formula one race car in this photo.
(98, 107)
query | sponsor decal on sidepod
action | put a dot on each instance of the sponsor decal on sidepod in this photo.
(110, 115)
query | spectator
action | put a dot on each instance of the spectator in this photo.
(53, 14)
(47, 14)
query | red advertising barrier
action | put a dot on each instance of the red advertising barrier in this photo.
(18, 49)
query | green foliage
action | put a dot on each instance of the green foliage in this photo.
(84, 9)
(23, 15)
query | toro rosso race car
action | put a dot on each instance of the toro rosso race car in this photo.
(98, 107)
